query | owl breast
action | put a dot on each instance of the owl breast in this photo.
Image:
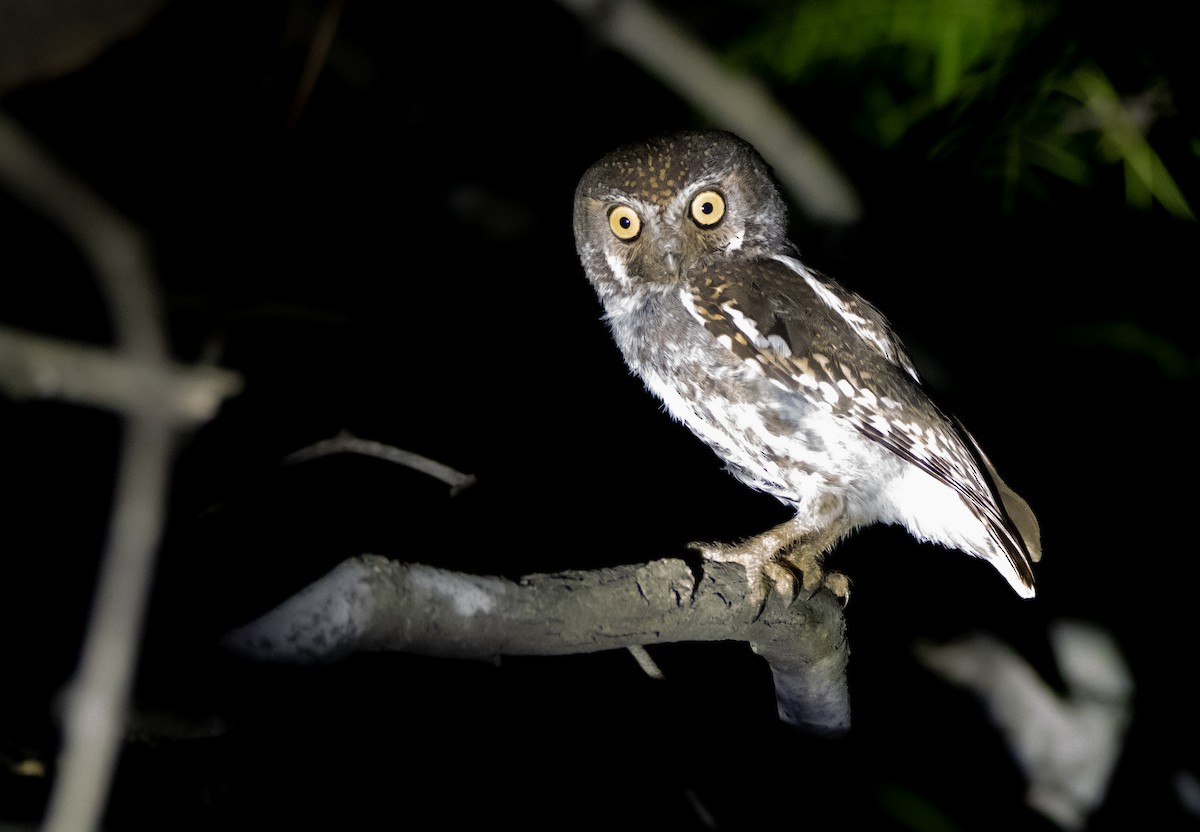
(774, 440)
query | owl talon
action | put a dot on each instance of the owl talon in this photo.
(835, 582)
(776, 566)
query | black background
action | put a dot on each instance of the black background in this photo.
(398, 262)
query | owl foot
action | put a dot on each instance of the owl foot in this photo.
(757, 557)
(782, 560)
(807, 562)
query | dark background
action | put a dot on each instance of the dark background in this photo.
(395, 258)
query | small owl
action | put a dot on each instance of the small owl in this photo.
(799, 385)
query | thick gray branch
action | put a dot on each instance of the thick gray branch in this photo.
(370, 603)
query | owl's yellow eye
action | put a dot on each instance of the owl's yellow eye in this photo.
(708, 208)
(624, 222)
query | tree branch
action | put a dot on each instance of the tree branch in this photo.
(36, 366)
(370, 603)
(347, 443)
(138, 380)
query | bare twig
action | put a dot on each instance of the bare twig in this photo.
(371, 603)
(97, 699)
(645, 661)
(41, 39)
(346, 443)
(113, 246)
(318, 55)
(156, 398)
(739, 103)
(35, 366)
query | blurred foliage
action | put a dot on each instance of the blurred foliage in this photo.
(1133, 340)
(912, 811)
(1009, 79)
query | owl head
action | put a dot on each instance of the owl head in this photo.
(648, 212)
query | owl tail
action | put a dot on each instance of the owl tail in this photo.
(1018, 532)
(1020, 521)
(1018, 511)
(1021, 514)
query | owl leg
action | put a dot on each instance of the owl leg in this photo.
(790, 553)
(807, 555)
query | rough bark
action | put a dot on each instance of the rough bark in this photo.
(371, 603)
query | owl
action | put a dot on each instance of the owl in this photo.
(800, 386)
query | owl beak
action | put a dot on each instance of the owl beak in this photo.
(672, 259)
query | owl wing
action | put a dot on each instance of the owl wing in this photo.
(863, 318)
(802, 331)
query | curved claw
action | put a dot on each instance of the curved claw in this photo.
(839, 585)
